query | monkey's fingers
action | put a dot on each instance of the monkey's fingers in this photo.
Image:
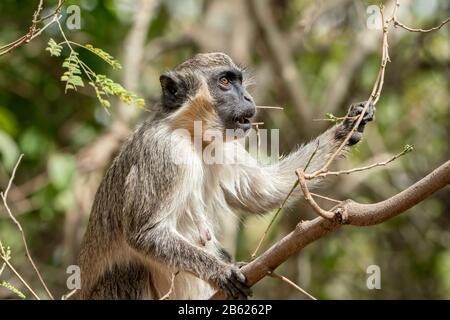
(240, 283)
(370, 114)
(231, 291)
(357, 108)
(241, 264)
(225, 282)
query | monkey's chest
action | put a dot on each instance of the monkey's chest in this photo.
(204, 211)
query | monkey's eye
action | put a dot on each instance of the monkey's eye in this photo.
(224, 81)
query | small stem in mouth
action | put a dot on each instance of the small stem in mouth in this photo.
(270, 107)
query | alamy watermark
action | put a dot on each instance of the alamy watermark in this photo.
(73, 281)
(374, 18)
(230, 146)
(374, 277)
(73, 21)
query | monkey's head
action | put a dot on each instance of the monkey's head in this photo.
(209, 88)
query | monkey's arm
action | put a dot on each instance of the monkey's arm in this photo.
(258, 189)
(150, 215)
(165, 245)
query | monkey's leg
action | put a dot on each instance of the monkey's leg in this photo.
(163, 244)
(124, 282)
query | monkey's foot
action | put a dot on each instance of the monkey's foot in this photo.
(341, 215)
(232, 281)
(240, 264)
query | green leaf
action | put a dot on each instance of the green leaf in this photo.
(64, 200)
(34, 143)
(8, 121)
(105, 86)
(8, 150)
(53, 48)
(71, 76)
(104, 55)
(13, 289)
(61, 169)
(408, 148)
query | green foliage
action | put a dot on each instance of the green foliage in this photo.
(5, 253)
(54, 48)
(408, 148)
(72, 75)
(331, 117)
(37, 119)
(8, 121)
(33, 143)
(61, 168)
(13, 289)
(8, 150)
(105, 87)
(104, 55)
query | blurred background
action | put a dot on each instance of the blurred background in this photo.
(310, 57)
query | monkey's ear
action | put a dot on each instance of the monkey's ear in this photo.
(168, 84)
(172, 91)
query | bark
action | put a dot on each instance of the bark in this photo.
(358, 214)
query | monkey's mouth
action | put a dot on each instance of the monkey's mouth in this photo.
(242, 123)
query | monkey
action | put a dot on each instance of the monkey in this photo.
(154, 217)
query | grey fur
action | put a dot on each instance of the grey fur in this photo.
(148, 211)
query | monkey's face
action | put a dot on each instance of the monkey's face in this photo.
(234, 105)
(208, 88)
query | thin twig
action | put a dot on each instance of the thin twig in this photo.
(291, 283)
(347, 211)
(321, 212)
(397, 23)
(266, 232)
(312, 155)
(325, 198)
(34, 31)
(269, 107)
(358, 214)
(335, 119)
(4, 196)
(373, 99)
(378, 164)
(172, 285)
(68, 295)
(19, 277)
(258, 141)
(38, 12)
(56, 11)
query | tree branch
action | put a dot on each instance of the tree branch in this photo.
(291, 283)
(4, 196)
(34, 31)
(358, 214)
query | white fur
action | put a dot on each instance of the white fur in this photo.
(201, 202)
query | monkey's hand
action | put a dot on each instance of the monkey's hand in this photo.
(241, 264)
(232, 281)
(352, 116)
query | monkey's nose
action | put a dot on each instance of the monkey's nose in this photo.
(249, 112)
